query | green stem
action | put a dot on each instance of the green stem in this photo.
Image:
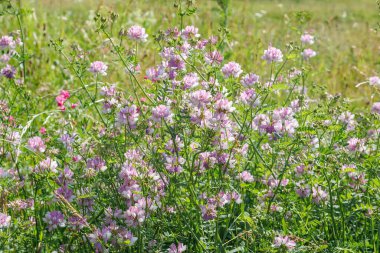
(23, 42)
(84, 86)
(127, 67)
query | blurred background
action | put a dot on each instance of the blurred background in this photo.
(347, 43)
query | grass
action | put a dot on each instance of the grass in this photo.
(347, 43)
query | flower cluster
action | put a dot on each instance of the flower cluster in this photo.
(98, 67)
(308, 53)
(198, 154)
(61, 99)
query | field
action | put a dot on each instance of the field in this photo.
(347, 44)
(189, 126)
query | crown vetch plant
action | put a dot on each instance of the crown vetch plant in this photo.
(200, 155)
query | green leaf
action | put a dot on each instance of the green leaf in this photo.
(291, 56)
(279, 86)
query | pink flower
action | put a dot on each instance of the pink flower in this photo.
(284, 241)
(303, 191)
(47, 165)
(249, 80)
(135, 215)
(202, 117)
(161, 112)
(214, 58)
(67, 140)
(190, 32)
(5, 58)
(174, 146)
(374, 81)
(96, 163)
(14, 137)
(155, 74)
(36, 144)
(223, 105)
(185, 48)
(5, 220)
(190, 80)
(200, 98)
(175, 63)
(236, 197)
(167, 52)
(77, 223)
(98, 67)
(137, 33)
(172, 32)
(294, 73)
(348, 119)
(100, 235)
(249, 97)
(61, 99)
(272, 54)
(213, 39)
(65, 94)
(66, 192)
(7, 41)
(282, 122)
(43, 130)
(275, 208)
(108, 91)
(245, 176)
(308, 53)
(231, 69)
(307, 39)
(8, 71)
(177, 248)
(208, 211)
(376, 107)
(300, 170)
(319, 194)
(174, 164)
(357, 180)
(355, 144)
(128, 116)
(295, 105)
(261, 122)
(19, 205)
(54, 220)
(202, 44)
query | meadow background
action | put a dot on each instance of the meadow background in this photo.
(347, 44)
